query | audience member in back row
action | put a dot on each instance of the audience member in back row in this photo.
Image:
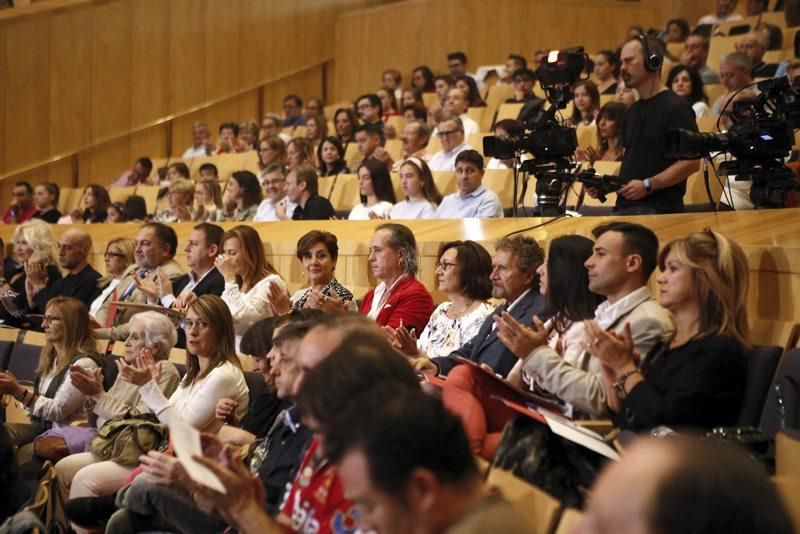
(248, 276)
(376, 192)
(318, 251)
(207, 201)
(316, 129)
(54, 402)
(735, 73)
(754, 45)
(271, 127)
(609, 126)
(23, 207)
(523, 89)
(654, 183)
(345, 122)
(586, 103)
(415, 137)
(682, 485)
(156, 245)
(151, 333)
(228, 138)
(399, 299)
(95, 202)
(686, 83)
(450, 131)
(244, 192)
(138, 174)
(470, 89)
(370, 140)
(422, 196)
(180, 197)
(271, 150)
(201, 141)
(119, 260)
(463, 274)
(302, 191)
(456, 105)
(457, 66)
(697, 377)
(606, 70)
(422, 79)
(724, 12)
(74, 248)
(330, 155)
(514, 278)
(473, 199)
(300, 151)
(695, 54)
(273, 185)
(36, 249)
(293, 111)
(45, 198)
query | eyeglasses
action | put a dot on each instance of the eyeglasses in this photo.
(364, 106)
(266, 183)
(444, 265)
(113, 255)
(188, 324)
(50, 319)
(451, 132)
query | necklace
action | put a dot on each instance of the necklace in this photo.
(456, 315)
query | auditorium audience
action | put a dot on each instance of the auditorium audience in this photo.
(80, 282)
(271, 150)
(345, 122)
(725, 12)
(248, 276)
(82, 473)
(271, 125)
(422, 195)
(399, 299)
(696, 377)
(138, 174)
(470, 89)
(686, 82)
(369, 138)
(273, 184)
(443, 84)
(735, 74)
(773, 34)
(685, 485)
(457, 66)
(625, 95)
(302, 191)
(54, 402)
(392, 79)
(450, 131)
(523, 81)
(228, 138)
(208, 171)
(314, 106)
(609, 126)
(473, 199)
(456, 105)
(415, 137)
(36, 250)
(677, 31)
(248, 136)
(180, 197)
(201, 141)
(207, 201)
(388, 103)
(606, 71)
(754, 45)
(244, 192)
(318, 251)
(411, 97)
(514, 278)
(514, 62)
(119, 261)
(330, 154)
(300, 151)
(695, 54)
(422, 79)
(376, 192)
(316, 129)
(95, 202)
(115, 213)
(45, 198)
(293, 112)
(370, 109)
(156, 245)
(585, 103)
(22, 208)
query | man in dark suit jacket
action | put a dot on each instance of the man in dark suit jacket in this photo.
(514, 278)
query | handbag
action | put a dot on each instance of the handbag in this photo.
(123, 439)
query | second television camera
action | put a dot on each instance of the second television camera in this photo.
(552, 144)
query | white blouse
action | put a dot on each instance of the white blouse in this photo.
(443, 335)
(196, 404)
(247, 308)
(408, 210)
(361, 211)
(67, 404)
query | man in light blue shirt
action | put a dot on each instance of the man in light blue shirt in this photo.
(472, 199)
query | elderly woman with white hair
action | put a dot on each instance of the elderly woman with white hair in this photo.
(83, 474)
(36, 251)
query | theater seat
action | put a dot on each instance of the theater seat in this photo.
(787, 382)
(8, 338)
(761, 364)
(25, 357)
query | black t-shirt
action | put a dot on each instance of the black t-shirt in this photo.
(317, 208)
(643, 131)
(51, 216)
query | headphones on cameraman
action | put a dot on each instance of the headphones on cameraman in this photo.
(652, 62)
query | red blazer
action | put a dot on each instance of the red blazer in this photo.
(409, 302)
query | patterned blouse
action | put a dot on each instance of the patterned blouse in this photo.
(443, 335)
(299, 298)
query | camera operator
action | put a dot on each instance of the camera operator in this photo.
(655, 183)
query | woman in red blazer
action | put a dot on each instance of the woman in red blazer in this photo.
(399, 298)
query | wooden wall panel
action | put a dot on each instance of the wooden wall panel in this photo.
(223, 55)
(70, 80)
(187, 54)
(5, 187)
(111, 69)
(256, 41)
(150, 73)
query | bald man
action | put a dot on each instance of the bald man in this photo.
(74, 248)
(679, 485)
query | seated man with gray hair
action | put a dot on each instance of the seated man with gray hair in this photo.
(450, 131)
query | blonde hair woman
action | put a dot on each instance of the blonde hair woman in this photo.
(119, 260)
(696, 378)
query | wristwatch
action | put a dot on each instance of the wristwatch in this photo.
(647, 186)
(619, 385)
